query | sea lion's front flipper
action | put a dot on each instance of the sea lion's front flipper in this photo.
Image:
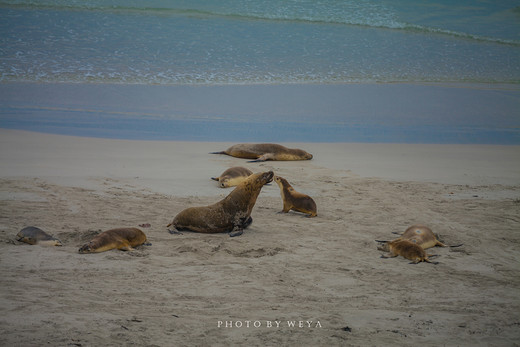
(236, 232)
(174, 232)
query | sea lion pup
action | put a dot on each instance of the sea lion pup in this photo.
(293, 200)
(232, 176)
(121, 238)
(406, 249)
(265, 151)
(34, 235)
(231, 214)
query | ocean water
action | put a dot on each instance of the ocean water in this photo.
(269, 41)
(176, 46)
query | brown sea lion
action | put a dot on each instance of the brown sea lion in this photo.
(293, 200)
(232, 176)
(265, 151)
(122, 238)
(34, 235)
(232, 214)
(422, 235)
(406, 249)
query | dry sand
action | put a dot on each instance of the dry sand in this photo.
(184, 289)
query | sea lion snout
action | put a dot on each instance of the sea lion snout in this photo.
(85, 248)
(268, 176)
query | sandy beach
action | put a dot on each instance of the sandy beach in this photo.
(288, 280)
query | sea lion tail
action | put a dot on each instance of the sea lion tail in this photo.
(169, 225)
(381, 241)
(215, 179)
(221, 152)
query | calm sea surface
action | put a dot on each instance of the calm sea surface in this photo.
(245, 42)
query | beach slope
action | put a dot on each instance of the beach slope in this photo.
(288, 280)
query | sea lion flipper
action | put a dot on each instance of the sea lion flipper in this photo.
(127, 248)
(215, 178)
(221, 152)
(236, 232)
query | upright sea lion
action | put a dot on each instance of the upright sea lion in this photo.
(406, 249)
(293, 200)
(232, 176)
(232, 214)
(265, 151)
(122, 238)
(34, 235)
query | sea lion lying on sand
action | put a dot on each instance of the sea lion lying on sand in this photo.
(232, 214)
(265, 151)
(123, 239)
(34, 235)
(421, 235)
(232, 176)
(406, 249)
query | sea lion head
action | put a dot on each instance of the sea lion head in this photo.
(303, 154)
(86, 248)
(280, 181)
(52, 242)
(264, 177)
(383, 247)
(258, 180)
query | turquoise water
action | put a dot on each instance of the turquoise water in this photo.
(244, 42)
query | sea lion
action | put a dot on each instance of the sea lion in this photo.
(406, 249)
(34, 235)
(265, 151)
(232, 176)
(293, 200)
(422, 235)
(232, 214)
(121, 238)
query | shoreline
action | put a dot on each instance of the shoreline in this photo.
(34, 154)
(367, 113)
